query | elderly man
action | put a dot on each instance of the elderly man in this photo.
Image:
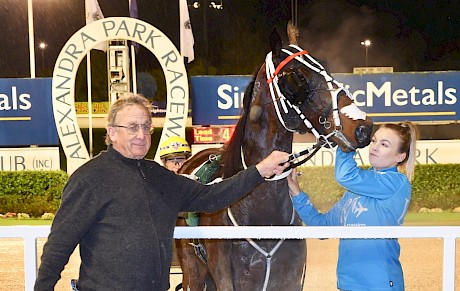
(121, 209)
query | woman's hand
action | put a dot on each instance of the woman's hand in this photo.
(294, 188)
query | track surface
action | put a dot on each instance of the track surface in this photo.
(421, 260)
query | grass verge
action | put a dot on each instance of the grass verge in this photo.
(15, 221)
(432, 219)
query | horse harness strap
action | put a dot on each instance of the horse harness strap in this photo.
(293, 159)
(269, 255)
(274, 177)
(272, 80)
(204, 172)
(284, 62)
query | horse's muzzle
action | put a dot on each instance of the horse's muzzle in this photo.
(363, 135)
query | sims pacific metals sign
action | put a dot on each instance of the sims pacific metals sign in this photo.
(418, 97)
(426, 96)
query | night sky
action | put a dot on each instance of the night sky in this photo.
(407, 35)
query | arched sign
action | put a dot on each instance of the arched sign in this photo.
(77, 47)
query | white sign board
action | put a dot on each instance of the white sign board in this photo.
(428, 152)
(29, 159)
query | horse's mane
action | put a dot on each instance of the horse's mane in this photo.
(231, 158)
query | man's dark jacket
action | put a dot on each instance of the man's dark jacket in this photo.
(122, 212)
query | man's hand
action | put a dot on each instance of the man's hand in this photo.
(274, 164)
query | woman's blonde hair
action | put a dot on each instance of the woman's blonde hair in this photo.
(408, 135)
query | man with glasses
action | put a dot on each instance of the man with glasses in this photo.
(121, 208)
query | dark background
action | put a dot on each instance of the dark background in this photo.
(407, 35)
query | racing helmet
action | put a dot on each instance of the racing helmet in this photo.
(174, 145)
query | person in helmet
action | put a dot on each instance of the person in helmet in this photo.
(174, 152)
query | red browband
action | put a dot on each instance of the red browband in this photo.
(284, 62)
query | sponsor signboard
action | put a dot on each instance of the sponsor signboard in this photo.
(386, 97)
(428, 152)
(26, 113)
(29, 159)
(217, 99)
(418, 97)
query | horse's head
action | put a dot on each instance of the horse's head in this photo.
(308, 99)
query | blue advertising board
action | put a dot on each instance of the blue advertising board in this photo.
(418, 97)
(217, 100)
(26, 113)
(424, 96)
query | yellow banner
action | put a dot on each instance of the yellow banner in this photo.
(98, 107)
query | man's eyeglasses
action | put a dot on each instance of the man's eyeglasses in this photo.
(134, 129)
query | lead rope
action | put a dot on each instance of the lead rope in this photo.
(274, 178)
(269, 255)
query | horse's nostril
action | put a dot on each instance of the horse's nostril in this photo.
(362, 134)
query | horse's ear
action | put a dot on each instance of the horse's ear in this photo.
(275, 42)
(292, 32)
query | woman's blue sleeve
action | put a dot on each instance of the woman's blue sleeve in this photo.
(377, 184)
(311, 216)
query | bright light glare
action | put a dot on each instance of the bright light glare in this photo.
(366, 42)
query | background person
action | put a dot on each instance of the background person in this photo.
(378, 196)
(174, 151)
(121, 209)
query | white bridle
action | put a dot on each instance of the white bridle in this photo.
(351, 111)
(314, 65)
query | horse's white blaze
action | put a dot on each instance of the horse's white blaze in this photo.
(352, 111)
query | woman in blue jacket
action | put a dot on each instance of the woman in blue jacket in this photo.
(378, 196)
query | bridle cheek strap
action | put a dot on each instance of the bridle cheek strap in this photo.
(284, 62)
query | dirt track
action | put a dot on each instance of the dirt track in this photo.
(421, 259)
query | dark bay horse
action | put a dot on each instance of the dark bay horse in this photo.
(290, 93)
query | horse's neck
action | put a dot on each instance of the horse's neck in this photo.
(270, 139)
(261, 139)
